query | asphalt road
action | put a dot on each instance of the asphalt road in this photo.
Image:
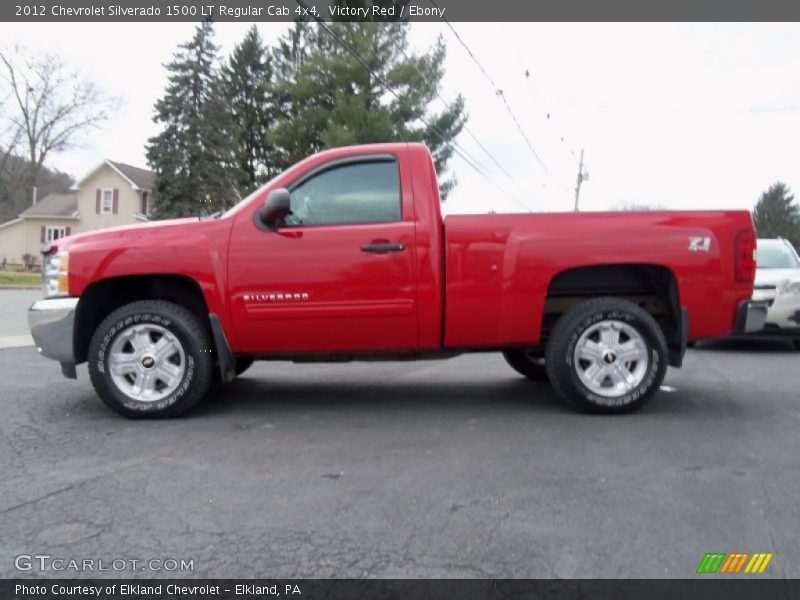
(455, 468)
(14, 316)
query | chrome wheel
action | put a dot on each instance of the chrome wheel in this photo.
(611, 358)
(146, 362)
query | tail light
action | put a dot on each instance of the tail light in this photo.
(745, 257)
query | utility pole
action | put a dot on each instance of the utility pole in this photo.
(580, 180)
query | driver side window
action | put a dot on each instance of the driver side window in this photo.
(366, 192)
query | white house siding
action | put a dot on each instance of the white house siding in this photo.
(128, 201)
(12, 241)
(25, 237)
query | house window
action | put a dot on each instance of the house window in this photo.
(107, 202)
(145, 207)
(54, 232)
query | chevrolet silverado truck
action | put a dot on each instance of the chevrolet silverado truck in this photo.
(345, 256)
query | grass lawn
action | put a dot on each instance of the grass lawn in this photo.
(14, 278)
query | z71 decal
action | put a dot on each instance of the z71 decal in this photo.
(699, 244)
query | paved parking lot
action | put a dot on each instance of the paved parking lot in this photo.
(455, 468)
(13, 317)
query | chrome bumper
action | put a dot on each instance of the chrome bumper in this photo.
(52, 323)
(751, 316)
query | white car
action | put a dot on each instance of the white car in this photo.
(778, 284)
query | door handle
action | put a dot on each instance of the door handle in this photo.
(381, 248)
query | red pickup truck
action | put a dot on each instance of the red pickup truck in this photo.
(345, 256)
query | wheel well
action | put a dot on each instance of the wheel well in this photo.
(105, 296)
(652, 287)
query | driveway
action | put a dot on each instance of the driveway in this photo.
(456, 468)
(14, 317)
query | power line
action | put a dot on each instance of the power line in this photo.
(537, 93)
(410, 59)
(486, 150)
(377, 76)
(497, 90)
(456, 147)
(491, 156)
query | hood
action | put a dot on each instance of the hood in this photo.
(776, 276)
(123, 231)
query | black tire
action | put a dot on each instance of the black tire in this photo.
(523, 362)
(188, 333)
(563, 368)
(691, 344)
(796, 344)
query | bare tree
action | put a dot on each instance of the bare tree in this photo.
(10, 135)
(51, 106)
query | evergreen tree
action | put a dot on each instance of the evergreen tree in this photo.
(193, 157)
(776, 214)
(246, 82)
(327, 97)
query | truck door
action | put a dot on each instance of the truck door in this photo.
(339, 273)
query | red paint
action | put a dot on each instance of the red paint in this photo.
(472, 282)
(500, 266)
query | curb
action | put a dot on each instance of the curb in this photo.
(15, 341)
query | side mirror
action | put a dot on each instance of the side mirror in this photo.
(276, 207)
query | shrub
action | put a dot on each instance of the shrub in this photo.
(29, 260)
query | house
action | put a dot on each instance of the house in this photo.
(111, 194)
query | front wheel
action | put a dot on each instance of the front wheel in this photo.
(151, 358)
(606, 356)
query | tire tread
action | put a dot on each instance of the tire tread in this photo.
(204, 363)
(559, 372)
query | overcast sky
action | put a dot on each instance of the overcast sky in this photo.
(685, 116)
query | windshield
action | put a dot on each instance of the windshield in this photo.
(776, 255)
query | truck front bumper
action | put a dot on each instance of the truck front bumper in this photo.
(52, 324)
(751, 316)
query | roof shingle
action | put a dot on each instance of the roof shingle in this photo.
(142, 178)
(64, 204)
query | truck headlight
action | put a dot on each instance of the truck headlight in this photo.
(791, 288)
(55, 280)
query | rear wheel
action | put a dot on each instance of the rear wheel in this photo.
(527, 363)
(151, 359)
(606, 356)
